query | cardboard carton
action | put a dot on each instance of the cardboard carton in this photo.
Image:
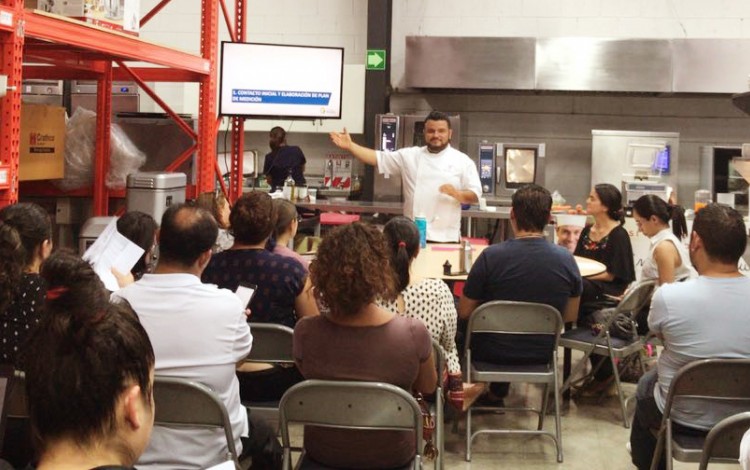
(119, 15)
(42, 142)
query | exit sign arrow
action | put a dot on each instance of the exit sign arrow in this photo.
(375, 59)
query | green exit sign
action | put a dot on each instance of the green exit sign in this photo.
(375, 59)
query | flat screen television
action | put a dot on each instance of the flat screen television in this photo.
(280, 81)
(520, 166)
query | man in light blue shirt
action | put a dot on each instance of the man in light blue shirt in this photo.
(701, 318)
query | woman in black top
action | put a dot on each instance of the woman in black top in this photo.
(25, 241)
(609, 243)
(283, 160)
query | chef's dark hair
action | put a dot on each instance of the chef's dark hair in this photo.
(722, 231)
(649, 204)
(402, 238)
(81, 357)
(531, 207)
(438, 116)
(611, 198)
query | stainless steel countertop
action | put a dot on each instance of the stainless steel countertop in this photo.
(371, 207)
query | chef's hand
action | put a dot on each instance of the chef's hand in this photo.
(451, 191)
(341, 140)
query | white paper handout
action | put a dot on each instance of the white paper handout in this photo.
(112, 250)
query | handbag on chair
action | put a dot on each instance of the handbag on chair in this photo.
(430, 452)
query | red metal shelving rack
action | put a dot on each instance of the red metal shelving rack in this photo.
(77, 50)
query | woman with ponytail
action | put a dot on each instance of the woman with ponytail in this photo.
(429, 300)
(668, 260)
(609, 243)
(89, 374)
(25, 241)
(285, 230)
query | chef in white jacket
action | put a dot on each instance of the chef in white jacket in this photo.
(436, 178)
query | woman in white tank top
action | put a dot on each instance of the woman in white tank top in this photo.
(668, 260)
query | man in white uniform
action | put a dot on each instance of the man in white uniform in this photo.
(436, 178)
(568, 231)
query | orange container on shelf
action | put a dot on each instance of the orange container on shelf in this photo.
(702, 198)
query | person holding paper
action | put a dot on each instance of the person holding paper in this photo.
(25, 242)
(436, 178)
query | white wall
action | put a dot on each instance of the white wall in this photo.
(556, 18)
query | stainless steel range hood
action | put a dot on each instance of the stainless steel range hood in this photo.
(578, 64)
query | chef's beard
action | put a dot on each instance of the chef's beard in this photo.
(437, 148)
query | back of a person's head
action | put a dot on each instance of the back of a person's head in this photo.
(186, 233)
(83, 355)
(611, 198)
(402, 238)
(140, 228)
(213, 203)
(722, 231)
(531, 207)
(352, 269)
(278, 133)
(253, 218)
(23, 229)
(650, 205)
(286, 213)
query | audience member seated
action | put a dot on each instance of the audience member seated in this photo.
(526, 268)
(358, 340)
(283, 290)
(285, 229)
(218, 206)
(199, 332)
(697, 319)
(140, 228)
(89, 374)
(668, 259)
(25, 241)
(568, 230)
(429, 300)
(609, 243)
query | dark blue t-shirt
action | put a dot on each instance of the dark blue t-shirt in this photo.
(279, 279)
(521, 270)
(280, 162)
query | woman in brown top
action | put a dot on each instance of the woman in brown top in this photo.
(359, 340)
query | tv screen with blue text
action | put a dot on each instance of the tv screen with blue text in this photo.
(280, 81)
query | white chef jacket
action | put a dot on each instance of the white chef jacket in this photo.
(422, 174)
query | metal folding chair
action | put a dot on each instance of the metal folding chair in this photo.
(185, 403)
(521, 319)
(355, 405)
(272, 344)
(605, 345)
(438, 408)
(722, 381)
(723, 441)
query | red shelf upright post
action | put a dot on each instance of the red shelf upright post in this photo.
(207, 105)
(11, 48)
(238, 123)
(102, 149)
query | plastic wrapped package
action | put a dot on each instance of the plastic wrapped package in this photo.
(80, 137)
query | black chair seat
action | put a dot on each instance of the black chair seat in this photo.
(261, 404)
(585, 335)
(307, 463)
(689, 441)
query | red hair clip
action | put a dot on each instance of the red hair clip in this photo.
(56, 292)
(402, 244)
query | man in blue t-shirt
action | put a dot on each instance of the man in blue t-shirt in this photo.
(527, 268)
(283, 160)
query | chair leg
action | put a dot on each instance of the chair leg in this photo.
(579, 366)
(619, 391)
(558, 427)
(468, 435)
(658, 450)
(545, 404)
(440, 429)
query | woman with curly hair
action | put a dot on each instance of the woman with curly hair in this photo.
(429, 300)
(25, 241)
(358, 340)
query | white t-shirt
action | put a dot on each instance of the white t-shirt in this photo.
(700, 318)
(745, 451)
(198, 332)
(684, 271)
(422, 174)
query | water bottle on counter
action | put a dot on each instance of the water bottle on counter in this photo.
(464, 257)
(421, 222)
(289, 187)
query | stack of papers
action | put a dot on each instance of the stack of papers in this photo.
(112, 250)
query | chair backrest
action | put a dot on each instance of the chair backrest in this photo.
(7, 382)
(519, 318)
(717, 379)
(636, 297)
(271, 343)
(17, 406)
(185, 403)
(440, 361)
(723, 441)
(351, 405)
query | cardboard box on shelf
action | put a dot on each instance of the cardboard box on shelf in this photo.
(119, 15)
(42, 142)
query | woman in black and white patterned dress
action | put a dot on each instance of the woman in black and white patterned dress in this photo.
(430, 300)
